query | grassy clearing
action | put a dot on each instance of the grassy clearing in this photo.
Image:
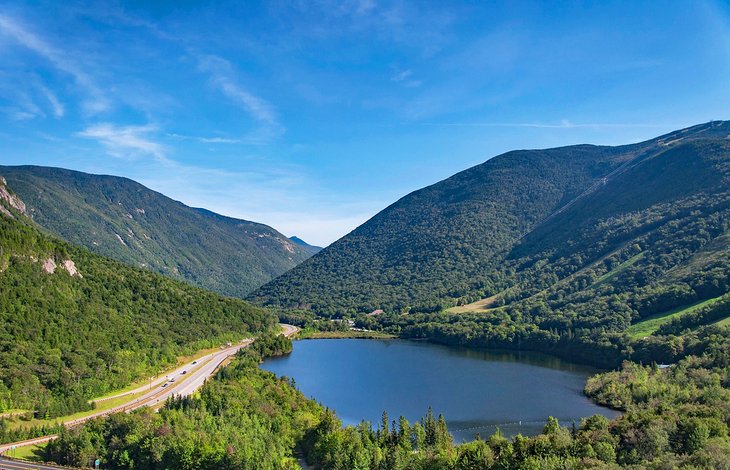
(32, 453)
(618, 270)
(650, 324)
(723, 322)
(312, 334)
(16, 423)
(142, 382)
(479, 306)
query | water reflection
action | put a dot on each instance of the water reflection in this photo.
(476, 390)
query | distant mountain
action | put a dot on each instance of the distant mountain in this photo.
(538, 247)
(124, 220)
(76, 325)
(310, 248)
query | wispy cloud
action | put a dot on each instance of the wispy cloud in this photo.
(561, 125)
(56, 106)
(219, 140)
(126, 141)
(405, 77)
(96, 102)
(275, 196)
(208, 140)
(223, 78)
(17, 114)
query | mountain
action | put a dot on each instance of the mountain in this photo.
(124, 220)
(538, 247)
(75, 325)
(313, 250)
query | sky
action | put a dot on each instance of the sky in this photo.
(312, 116)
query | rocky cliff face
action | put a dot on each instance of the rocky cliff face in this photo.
(7, 198)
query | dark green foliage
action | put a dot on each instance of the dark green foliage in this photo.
(572, 245)
(65, 339)
(271, 345)
(675, 418)
(702, 316)
(683, 409)
(311, 249)
(122, 219)
(244, 418)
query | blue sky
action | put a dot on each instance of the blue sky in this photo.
(311, 116)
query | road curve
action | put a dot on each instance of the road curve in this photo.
(183, 381)
(16, 464)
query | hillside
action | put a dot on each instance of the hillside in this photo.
(312, 249)
(570, 242)
(75, 325)
(122, 219)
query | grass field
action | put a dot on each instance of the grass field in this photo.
(312, 334)
(618, 270)
(483, 305)
(140, 383)
(15, 423)
(650, 324)
(31, 453)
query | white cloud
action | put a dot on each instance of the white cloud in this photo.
(564, 124)
(404, 77)
(126, 141)
(56, 106)
(222, 77)
(96, 101)
(17, 114)
(208, 140)
(219, 140)
(282, 196)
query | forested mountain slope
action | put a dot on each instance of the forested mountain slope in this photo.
(124, 220)
(74, 325)
(312, 249)
(567, 246)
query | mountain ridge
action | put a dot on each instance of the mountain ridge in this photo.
(76, 325)
(313, 249)
(572, 244)
(118, 217)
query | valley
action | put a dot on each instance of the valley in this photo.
(548, 317)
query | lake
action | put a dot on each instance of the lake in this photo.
(475, 390)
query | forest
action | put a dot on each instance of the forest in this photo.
(650, 240)
(675, 417)
(122, 219)
(67, 338)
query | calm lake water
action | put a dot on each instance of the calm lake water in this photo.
(474, 390)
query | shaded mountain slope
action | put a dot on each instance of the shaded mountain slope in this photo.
(488, 229)
(122, 219)
(312, 249)
(75, 325)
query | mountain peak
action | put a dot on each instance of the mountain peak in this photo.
(122, 219)
(311, 248)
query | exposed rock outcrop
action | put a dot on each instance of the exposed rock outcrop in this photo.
(70, 267)
(49, 266)
(10, 199)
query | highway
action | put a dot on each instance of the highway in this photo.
(183, 381)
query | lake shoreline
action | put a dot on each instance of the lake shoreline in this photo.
(476, 390)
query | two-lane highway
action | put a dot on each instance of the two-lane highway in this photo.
(186, 380)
